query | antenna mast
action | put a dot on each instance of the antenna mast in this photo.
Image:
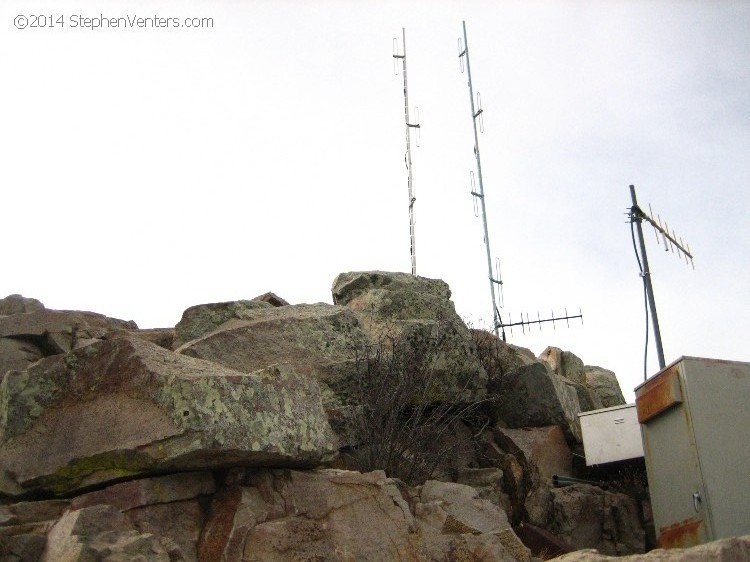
(478, 122)
(463, 51)
(637, 215)
(407, 158)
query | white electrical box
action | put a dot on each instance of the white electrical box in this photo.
(611, 434)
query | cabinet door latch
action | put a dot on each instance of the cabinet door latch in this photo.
(696, 500)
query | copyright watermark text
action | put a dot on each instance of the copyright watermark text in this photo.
(102, 22)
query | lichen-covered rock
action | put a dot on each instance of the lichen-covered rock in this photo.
(597, 388)
(532, 396)
(163, 337)
(393, 296)
(564, 363)
(272, 299)
(589, 517)
(59, 331)
(124, 407)
(318, 340)
(498, 357)
(418, 312)
(203, 319)
(17, 304)
(17, 354)
(604, 385)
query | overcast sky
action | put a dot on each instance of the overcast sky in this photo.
(145, 170)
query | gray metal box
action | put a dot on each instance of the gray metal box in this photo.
(695, 416)
(611, 434)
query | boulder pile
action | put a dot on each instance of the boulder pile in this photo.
(225, 437)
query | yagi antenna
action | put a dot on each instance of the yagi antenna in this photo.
(480, 209)
(636, 216)
(407, 158)
(528, 322)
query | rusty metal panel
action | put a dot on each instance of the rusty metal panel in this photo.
(658, 394)
(681, 535)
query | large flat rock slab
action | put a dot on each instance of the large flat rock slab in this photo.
(123, 407)
(318, 340)
(202, 319)
(59, 331)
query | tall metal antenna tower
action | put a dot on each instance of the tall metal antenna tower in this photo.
(463, 51)
(407, 158)
(495, 280)
(636, 216)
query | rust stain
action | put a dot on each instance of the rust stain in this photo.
(680, 535)
(658, 394)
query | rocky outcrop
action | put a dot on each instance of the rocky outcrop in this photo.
(417, 312)
(532, 396)
(542, 450)
(163, 337)
(207, 441)
(272, 299)
(102, 532)
(151, 519)
(59, 331)
(603, 384)
(393, 297)
(17, 304)
(161, 411)
(203, 319)
(563, 363)
(17, 354)
(265, 515)
(342, 515)
(734, 549)
(588, 517)
(319, 341)
(596, 387)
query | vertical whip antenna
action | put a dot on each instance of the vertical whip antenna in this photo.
(407, 157)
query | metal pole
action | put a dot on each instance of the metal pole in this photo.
(636, 215)
(496, 319)
(412, 199)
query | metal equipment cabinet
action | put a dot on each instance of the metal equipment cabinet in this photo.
(694, 417)
(611, 434)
